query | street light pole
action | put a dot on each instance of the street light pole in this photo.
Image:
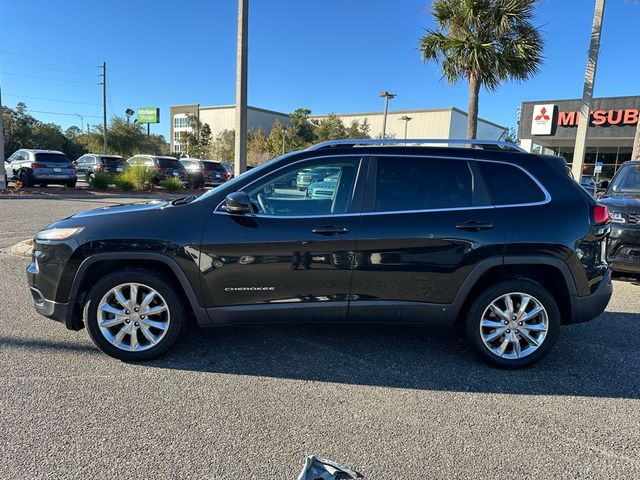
(81, 121)
(587, 92)
(406, 119)
(104, 107)
(3, 172)
(241, 88)
(387, 96)
(284, 131)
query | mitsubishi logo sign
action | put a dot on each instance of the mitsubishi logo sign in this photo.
(542, 121)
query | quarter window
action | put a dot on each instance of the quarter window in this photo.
(312, 188)
(509, 185)
(405, 183)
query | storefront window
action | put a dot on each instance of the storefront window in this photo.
(624, 155)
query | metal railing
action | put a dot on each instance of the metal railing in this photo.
(438, 142)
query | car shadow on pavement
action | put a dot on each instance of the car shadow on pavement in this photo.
(596, 359)
(46, 345)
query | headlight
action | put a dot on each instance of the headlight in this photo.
(617, 217)
(58, 233)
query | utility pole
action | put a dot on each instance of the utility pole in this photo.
(587, 92)
(284, 131)
(387, 96)
(104, 107)
(3, 172)
(241, 88)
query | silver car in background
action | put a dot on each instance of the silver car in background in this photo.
(41, 167)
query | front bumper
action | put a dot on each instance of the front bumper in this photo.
(623, 249)
(590, 306)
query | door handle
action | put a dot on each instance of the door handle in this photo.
(330, 230)
(475, 226)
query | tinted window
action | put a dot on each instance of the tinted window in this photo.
(213, 167)
(111, 160)
(51, 158)
(169, 163)
(281, 194)
(508, 185)
(422, 184)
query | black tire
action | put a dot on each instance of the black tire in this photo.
(482, 302)
(26, 178)
(71, 184)
(174, 303)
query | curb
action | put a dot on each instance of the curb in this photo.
(21, 249)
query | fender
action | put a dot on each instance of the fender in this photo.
(484, 266)
(201, 314)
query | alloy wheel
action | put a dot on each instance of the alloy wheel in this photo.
(514, 325)
(133, 317)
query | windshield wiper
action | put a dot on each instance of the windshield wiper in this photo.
(184, 200)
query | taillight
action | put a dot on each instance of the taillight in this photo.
(73, 167)
(38, 165)
(99, 167)
(158, 170)
(601, 215)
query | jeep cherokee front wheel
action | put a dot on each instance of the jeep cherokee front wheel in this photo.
(513, 324)
(134, 315)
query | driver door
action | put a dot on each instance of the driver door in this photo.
(292, 259)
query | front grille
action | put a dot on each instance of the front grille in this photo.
(633, 218)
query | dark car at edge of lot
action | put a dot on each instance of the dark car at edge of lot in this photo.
(162, 167)
(622, 197)
(207, 173)
(41, 167)
(90, 164)
(501, 242)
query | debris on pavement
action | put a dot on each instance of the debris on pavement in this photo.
(316, 468)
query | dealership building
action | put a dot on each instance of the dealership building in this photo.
(550, 126)
(449, 122)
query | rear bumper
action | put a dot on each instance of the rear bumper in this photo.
(624, 248)
(55, 177)
(590, 306)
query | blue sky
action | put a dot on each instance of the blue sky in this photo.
(329, 56)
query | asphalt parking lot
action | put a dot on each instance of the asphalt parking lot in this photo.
(253, 402)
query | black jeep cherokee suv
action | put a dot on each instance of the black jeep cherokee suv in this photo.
(499, 241)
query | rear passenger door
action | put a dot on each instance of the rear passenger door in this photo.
(426, 224)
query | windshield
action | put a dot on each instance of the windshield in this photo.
(51, 158)
(627, 180)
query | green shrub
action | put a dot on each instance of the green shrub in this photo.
(135, 178)
(172, 184)
(101, 180)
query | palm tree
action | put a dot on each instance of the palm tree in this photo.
(485, 41)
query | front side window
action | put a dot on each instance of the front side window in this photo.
(310, 188)
(509, 185)
(407, 183)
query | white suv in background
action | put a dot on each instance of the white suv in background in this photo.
(42, 167)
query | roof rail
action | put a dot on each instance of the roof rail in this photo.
(482, 144)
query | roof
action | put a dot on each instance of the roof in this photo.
(41, 150)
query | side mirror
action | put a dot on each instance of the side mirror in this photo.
(238, 203)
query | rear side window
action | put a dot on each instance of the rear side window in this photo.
(508, 185)
(111, 160)
(422, 184)
(51, 158)
(213, 167)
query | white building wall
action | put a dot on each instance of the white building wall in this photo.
(486, 130)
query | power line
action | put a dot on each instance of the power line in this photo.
(48, 78)
(47, 59)
(61, 113)
(49, 68)
(50, 99)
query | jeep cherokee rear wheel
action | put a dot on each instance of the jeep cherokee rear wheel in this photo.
(134, 315)
(513, 324)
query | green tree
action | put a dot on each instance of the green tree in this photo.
(197, 142)
(330, 128)
(486, 42)
(258, 147)
(359, 129)
(302, 128)
(223, 149)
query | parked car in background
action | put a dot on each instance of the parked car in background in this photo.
(312, 175)
(500, 242)
(622, 197)
(88, 165)
(161, 167)
(205, 172)
(41, 167)
(323, 189)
